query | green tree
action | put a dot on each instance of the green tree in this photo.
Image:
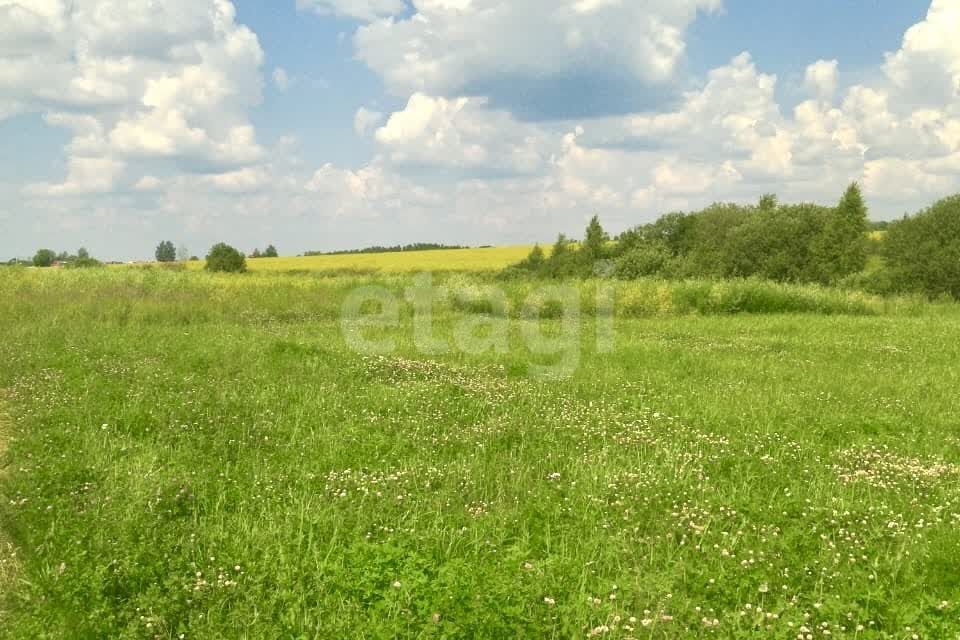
(595, 240)
(560, 247)
(44, 258)
(270, 252)
(255, 254)
(768, 201)
(841, 249)
(534, 261)
(224, 258)
(83, 254)
(922, 252)
(166, 252)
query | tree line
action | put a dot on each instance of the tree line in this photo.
(417, 246)
(49, 257)
(222, 257)
(803, 243)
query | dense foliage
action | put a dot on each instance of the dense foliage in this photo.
(226, 259)
(166, 252)
(44, 258)
(49, 258)
(786, 243)
(923, 252)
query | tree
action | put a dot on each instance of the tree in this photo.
(563, 262)
(595, 240)
(44, 258)
(83, 254)
(224, 258)
(534, 261)
(768, 201)
(166, 252)
(270, 252)
(255, 254)
(183, 254)
(560, 247)
(841, 249)
(923, 252)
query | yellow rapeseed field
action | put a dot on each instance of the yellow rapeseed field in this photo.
(486, 259)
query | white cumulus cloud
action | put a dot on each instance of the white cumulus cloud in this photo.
(504, 47)
(132, 81)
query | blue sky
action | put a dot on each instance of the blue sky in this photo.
(325, 124)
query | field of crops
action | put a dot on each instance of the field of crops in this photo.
(485, 259)
(211, 456)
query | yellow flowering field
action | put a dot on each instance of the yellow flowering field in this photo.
(479, 259)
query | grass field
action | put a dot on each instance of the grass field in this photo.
(485, 259)
(200, 456)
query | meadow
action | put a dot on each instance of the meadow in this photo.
(191, 455)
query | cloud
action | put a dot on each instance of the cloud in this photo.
(132, 82)
(282, 80)
(926, 69)
(460, 133)
(370, 191)
(364, 10)
(821, 79)
(365, 120)
(491, 144)
(550, 56)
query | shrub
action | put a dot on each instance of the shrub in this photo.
(44, 258)
(647, 259)
(226, 259)
(84, 263)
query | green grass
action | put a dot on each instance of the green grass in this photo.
(204, 455)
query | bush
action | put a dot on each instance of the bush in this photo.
(84, 263)
(224, 258)
(923, 252)
(44, 258)
(647, 259)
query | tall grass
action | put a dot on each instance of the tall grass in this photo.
(656, 297)
(203, 456)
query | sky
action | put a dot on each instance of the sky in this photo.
(335, 124)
